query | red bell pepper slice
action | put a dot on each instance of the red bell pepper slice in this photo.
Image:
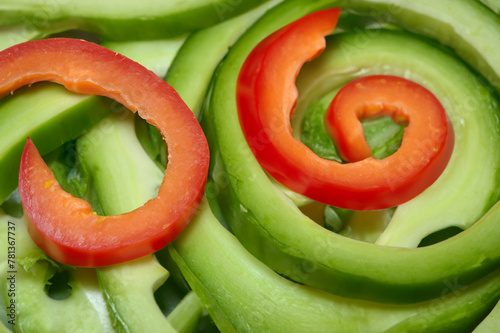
(266, 97)
(65, 227)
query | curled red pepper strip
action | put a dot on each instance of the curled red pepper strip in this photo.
(407, 103)
(266, 97)
(65, 227)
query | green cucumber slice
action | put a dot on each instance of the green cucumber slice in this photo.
(125, 177)
(122, 20)
(192, 70)
(491, 322)
(128, 290)
(113, 141)
(50, 115)
(24, 284)
(259, 300)
(470, 28)
(15, 34)
(186, 315)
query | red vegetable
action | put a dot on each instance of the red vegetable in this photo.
(266, 97)
(65, 227)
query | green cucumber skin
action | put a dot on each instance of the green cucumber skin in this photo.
(122, 20)
(296, 246)
(260, 300)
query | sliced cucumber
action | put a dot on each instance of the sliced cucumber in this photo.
(113, 141)
(491, 322)
(470, 28)
(24, 285)
(128, 290)
(192, 70)
(122, 20)
(12, 35)
(259, 300)
(50, 115)
(124, 178)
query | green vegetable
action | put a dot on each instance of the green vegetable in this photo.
(193, 67)
(12, 35)
(259, 300)
(382, 134)
(119, 20)
(471, 30)
(128, 289)
(50, 115)
(491, 322)
(186, 315)
(35, 310)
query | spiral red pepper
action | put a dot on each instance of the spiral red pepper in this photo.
(266, 97)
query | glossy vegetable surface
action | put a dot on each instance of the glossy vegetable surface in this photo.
(257, 256)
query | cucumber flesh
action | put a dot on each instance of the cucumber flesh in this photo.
(186, 315)
(129, 289)
(50, 115)
(15, 34)
(113, 143)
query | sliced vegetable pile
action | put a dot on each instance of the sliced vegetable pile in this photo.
(288, 166)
